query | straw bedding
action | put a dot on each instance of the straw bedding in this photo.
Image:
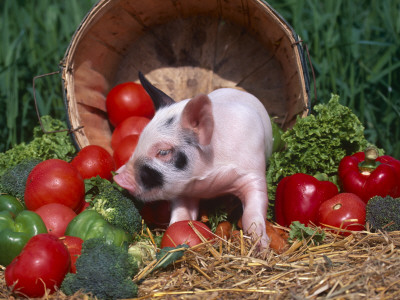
(363, 265)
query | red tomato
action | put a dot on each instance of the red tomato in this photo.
(94, 160)
(131, 125)
(54, 181)
(42, 264)
(56, 217)
(126, 100)
(156, 213)
(345, 210)
(181, 233)
(74, 245)
(125, 150)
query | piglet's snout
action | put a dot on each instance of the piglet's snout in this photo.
(125, 180)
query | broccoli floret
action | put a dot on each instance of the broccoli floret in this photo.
(103, 270)
(13, 181)
(383, 213)
(113, 204)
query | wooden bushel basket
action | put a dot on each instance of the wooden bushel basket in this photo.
(184, 47)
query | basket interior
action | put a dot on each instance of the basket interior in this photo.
(184, 48)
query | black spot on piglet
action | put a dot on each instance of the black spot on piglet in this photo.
(150, 177)
(169, 121)
(181, 160)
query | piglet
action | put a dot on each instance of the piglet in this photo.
(201, 148)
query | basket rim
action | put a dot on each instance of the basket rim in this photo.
(303, 61)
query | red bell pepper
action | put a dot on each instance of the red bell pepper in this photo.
(299, 196)
(367, 174)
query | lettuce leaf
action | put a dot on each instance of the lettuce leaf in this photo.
(43, 146)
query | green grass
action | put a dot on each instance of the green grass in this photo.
(34, 38)
(355, 52)
(354, 47)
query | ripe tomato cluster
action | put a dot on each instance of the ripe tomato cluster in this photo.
(129, 110)
(55, 191)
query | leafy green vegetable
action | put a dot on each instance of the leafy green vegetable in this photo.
(316, 144)
(43, 146)
(299, 231)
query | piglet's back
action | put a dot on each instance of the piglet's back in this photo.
(241, 119)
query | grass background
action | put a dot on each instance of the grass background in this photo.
(354, 48)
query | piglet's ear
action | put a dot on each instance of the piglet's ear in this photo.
(159, 98)
(197, 116)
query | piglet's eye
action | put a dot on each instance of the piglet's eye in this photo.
(164, 152)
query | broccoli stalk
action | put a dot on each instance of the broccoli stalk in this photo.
(113, 205)
(383, 213)
(103, 270)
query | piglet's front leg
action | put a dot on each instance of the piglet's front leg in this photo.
(253, 194)
(184, 209)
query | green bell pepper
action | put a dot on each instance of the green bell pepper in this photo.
(16, 231)
(90, 224)
(11, 204)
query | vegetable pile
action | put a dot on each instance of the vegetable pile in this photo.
(328, 172)
(60, 208)
(129, 109)
(316, 144)
(63, 223)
